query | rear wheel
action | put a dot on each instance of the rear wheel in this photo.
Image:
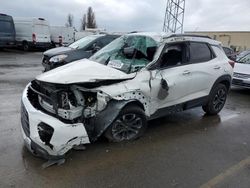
(25, 46)
(217, 100)
(130, 124)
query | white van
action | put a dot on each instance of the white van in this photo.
(61, 35)
(32, 33)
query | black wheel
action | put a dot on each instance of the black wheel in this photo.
(217, 100)
(130, 124)
(25, 46)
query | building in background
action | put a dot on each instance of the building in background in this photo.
(237, 40)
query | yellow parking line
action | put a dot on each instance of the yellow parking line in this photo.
(229, 172)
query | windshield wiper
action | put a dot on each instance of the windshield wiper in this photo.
(107, 61)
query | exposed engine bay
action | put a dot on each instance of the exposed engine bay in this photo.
(71, 103)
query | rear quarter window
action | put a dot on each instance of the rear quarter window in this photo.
(199, 52)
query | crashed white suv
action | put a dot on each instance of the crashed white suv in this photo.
(136, 78)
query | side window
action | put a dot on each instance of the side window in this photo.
(173, 55)
(199, 52)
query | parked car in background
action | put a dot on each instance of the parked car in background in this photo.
(242, 54)
(61, 35)
(83, 48)
(230, 53)
(7, 31)
(241, 77)
(136, 78)
(32, 33)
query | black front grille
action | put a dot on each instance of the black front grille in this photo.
(240, 83)
(25, 120)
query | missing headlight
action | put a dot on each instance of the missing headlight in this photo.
(67, 100)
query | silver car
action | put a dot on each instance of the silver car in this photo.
(241, 75)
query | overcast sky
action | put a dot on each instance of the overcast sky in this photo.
(140, 15)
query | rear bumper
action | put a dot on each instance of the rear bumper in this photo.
(64, 138)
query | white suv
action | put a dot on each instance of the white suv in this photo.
(136, 78)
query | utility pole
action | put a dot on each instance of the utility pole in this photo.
(174, 16)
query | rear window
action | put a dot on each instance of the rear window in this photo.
(6, 27)
(199, 52)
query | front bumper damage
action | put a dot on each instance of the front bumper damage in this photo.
(56, 118)
(36, 124)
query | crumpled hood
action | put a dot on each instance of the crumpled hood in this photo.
(83, 71)
(242, 68)
(57, 51)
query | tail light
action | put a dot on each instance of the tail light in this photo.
(60, 39)
(232, 63)
(34, 37)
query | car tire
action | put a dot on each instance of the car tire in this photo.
(129, 125)
(217, 100)
(25, 46)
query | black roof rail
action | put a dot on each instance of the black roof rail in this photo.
(188, 35)
(133, 32)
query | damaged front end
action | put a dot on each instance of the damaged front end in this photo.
(57, 117)
(69, 103)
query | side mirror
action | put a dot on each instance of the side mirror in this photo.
(129, 51)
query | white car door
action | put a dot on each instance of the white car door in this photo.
(207, 67)
(171, 81)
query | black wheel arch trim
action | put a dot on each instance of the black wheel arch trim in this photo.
(225, 79)
(105, 118)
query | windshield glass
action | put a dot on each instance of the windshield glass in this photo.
(128, 53)
(245, 59)
(242, 54)
(83, 42)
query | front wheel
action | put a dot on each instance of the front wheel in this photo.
(217, 100)
(130, 124)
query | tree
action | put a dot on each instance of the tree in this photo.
(91, 22)
(83, 23)
(70, 19)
